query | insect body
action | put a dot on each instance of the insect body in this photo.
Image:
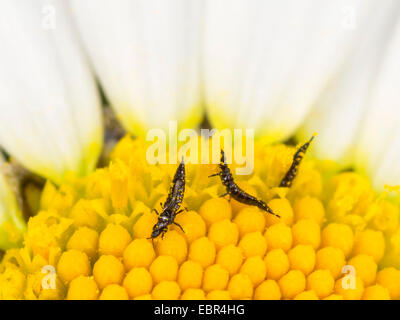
(171, 206)
(235, 191)
(292, 172)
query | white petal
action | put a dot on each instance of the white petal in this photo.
(50, 114)
(378, 151)
(146, 54)
(12, 223)
(339, 111)
(266, 62)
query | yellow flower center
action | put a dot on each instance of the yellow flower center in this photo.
(336, 238)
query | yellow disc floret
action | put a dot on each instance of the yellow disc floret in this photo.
(338, 236)
(193, 225)
(277, 263)
(84, 239)
(268, 290)
(390, 279)
(279, 236)
(306, 231)
(202, 251)
(292, 283)
(370, 242)
(332, 259)
(215, 277)
(365, 268)
(138, 282)
(376, 292)
(173, 244)
(321, 282)
(190, 275)
(219, 295)
(283, 208)
(113, 240)
(350, 287)
(306, 295)
(164, 268)
(231, 258)
(240, 287)
(214, 210)
(72, 264)
(108, 270)
(253, 244)
(255, 268)
(302, 257)
(193, 294)
(166, 290)
(223, 233)
(250, 219)
(144, 225)
(82, 288)
(309, 208)
(139, 253)
(114, 292)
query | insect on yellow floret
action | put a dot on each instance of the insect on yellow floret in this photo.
(173, 244)
(192, 223)
(283, 208)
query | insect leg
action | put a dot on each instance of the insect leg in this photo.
(155, 210)
(225, 194)
(215, 174)
(177, 224)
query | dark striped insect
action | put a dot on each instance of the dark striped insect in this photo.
(172, 204)
(234, 191)
(292, 172)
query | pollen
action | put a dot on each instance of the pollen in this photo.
(336, 239)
